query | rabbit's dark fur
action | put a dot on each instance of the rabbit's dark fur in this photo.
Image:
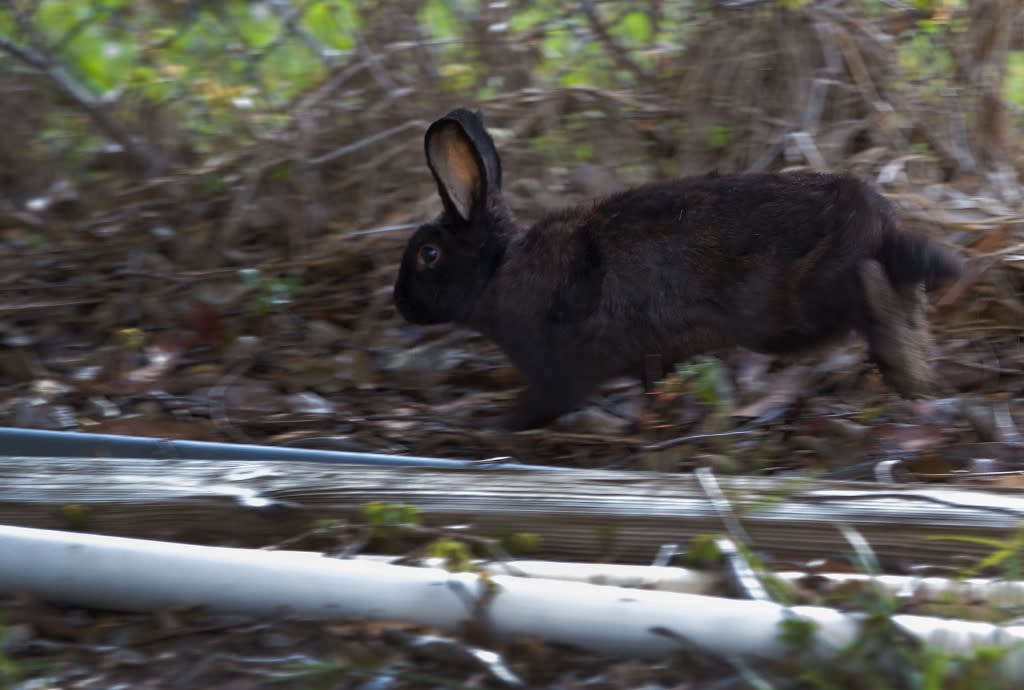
(775, 263)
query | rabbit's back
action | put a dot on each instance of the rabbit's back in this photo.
(735, 223)
(763, 261)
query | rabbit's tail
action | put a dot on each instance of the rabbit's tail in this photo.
(910, 259)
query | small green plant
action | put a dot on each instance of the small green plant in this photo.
(15, 671)
(386, 521)
(922, 148)
(318, 674)
(702, 552)
(883, 656)
(521, 543)
(75, 515)
(719, 137)
(1015, 79)
(269, 296)
(390, 514)
(1006, 553)
(36, 242)
(10, 670)
(457, 555)
(325, 524)
(704, 378)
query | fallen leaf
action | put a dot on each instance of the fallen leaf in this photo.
(789, 385)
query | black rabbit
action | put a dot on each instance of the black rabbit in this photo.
(776, 263)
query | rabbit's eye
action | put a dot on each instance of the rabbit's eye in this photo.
(429, 255)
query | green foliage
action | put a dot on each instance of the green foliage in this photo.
(439, 18)
(36, 242)
(318, 675)
(559, 149)
(1015, 79)
(922, 148)
(325, 525)
(635, 27)
(884, 657)
(1006, 553)
(529, 18)
(209, 55)
(333, 24)
(217, 63)
(387, 521)
(390, 514)
(269, 296)
(797, 634)
(583, 152)
(521, 543)
(704, 378)
(14, 671)
(75, 515)
(10, 670)
(457, 555)
(925, 59)
(257, 27)
(702, 552)
(719, 137)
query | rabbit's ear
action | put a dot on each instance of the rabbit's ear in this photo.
(464, 162)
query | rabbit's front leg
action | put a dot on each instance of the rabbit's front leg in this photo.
(544, 400)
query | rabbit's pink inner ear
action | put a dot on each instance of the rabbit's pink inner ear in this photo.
(456, 167)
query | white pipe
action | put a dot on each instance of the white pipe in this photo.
(141, 575)
(660, 577)
(1004, 593)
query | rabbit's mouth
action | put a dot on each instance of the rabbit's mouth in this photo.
(402, 304)
(412, 310)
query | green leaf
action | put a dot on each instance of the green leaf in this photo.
(637, 27)
(555, 45)
(456, 554)
(719, 137)
(438, 17)
(381, 514)
(994, 542)
(333, 23)
(577, 77)
(1015, 79)
(521, 543)
(521, 21)
(257, 25)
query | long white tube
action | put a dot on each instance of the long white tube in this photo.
(141, 575)
(1005, 593)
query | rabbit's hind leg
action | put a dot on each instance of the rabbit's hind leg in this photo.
(897, 332)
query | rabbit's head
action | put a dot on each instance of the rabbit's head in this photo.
(450, 260)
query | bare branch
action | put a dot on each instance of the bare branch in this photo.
(363, 143)
(291, 16)
(617, 52)
(83, 98)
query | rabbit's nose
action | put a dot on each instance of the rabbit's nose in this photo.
(402, 303)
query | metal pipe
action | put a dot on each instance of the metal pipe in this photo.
(46, 443)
